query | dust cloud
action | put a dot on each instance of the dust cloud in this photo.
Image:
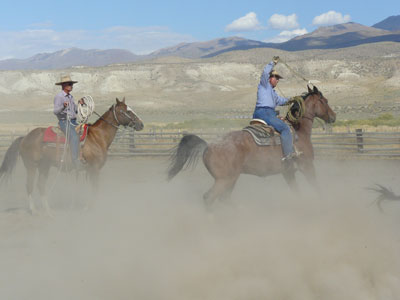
(146, 238)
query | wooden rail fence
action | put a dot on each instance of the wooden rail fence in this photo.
(128, 143)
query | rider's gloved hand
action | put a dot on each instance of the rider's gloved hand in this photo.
(275, 59)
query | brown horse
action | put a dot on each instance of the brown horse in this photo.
(237, 152)
(40, 156)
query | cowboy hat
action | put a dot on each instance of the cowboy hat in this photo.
(275, 74)
(65, 79)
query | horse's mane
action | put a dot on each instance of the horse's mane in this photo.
(307, 94)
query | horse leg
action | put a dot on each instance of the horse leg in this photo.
(308, 170)
(290, 179)
(222, 188)
(94, 179)
(226, 195)
(30, 179)
(93, 173)
(43, 175)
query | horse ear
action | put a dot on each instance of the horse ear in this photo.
(123, 100)
(315, 89)
(117, 100)
(309, 90)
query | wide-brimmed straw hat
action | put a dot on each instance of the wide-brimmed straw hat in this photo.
(66, 79)
(275, 74)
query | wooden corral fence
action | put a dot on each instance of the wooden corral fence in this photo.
(356, 143)
(129, 143)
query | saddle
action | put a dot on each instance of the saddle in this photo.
(265, 135)
(54, 134)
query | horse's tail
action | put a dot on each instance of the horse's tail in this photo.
(384, 192)
(186, 153)
(10, 159)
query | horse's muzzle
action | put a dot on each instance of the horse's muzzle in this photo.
(332, 118)
(138, 126)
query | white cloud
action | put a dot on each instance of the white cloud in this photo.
(283, 22)
(247, 23)
(139, 40)
(331, 18)
(287, 35)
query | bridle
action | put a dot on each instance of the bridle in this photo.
(313, 116)
(132, 120)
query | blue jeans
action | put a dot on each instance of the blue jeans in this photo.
(268, 115)
(73, 137)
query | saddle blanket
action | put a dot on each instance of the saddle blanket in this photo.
(54, 134)
(265, 135)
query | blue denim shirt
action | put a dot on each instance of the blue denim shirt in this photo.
(266, 95)
(60, 111)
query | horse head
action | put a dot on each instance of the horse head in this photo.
(317, 106)
(125, 115)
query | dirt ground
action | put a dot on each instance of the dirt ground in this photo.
(146, 238)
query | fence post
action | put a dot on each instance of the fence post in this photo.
(131, 137)
(360, 140)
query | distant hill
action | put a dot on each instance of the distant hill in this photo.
(391, 23)
(329, 37)
(68, 58)
(339, 36)
(204, 49)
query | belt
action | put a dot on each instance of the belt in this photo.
(265, 107)
(66, 119)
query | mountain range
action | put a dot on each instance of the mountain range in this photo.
(327, 37)
(391, 23)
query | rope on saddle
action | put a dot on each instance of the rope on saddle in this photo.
(85, 110)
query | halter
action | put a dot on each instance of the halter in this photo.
(115, 115)
(132, 121)
(116, 118)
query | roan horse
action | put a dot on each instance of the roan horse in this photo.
(237, 152)
(39, 156)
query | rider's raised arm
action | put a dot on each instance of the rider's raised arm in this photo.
(265, 75)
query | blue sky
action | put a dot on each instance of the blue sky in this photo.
(29, 27)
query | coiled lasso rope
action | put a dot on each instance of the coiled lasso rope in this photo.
(85, 110)
(294, 115)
